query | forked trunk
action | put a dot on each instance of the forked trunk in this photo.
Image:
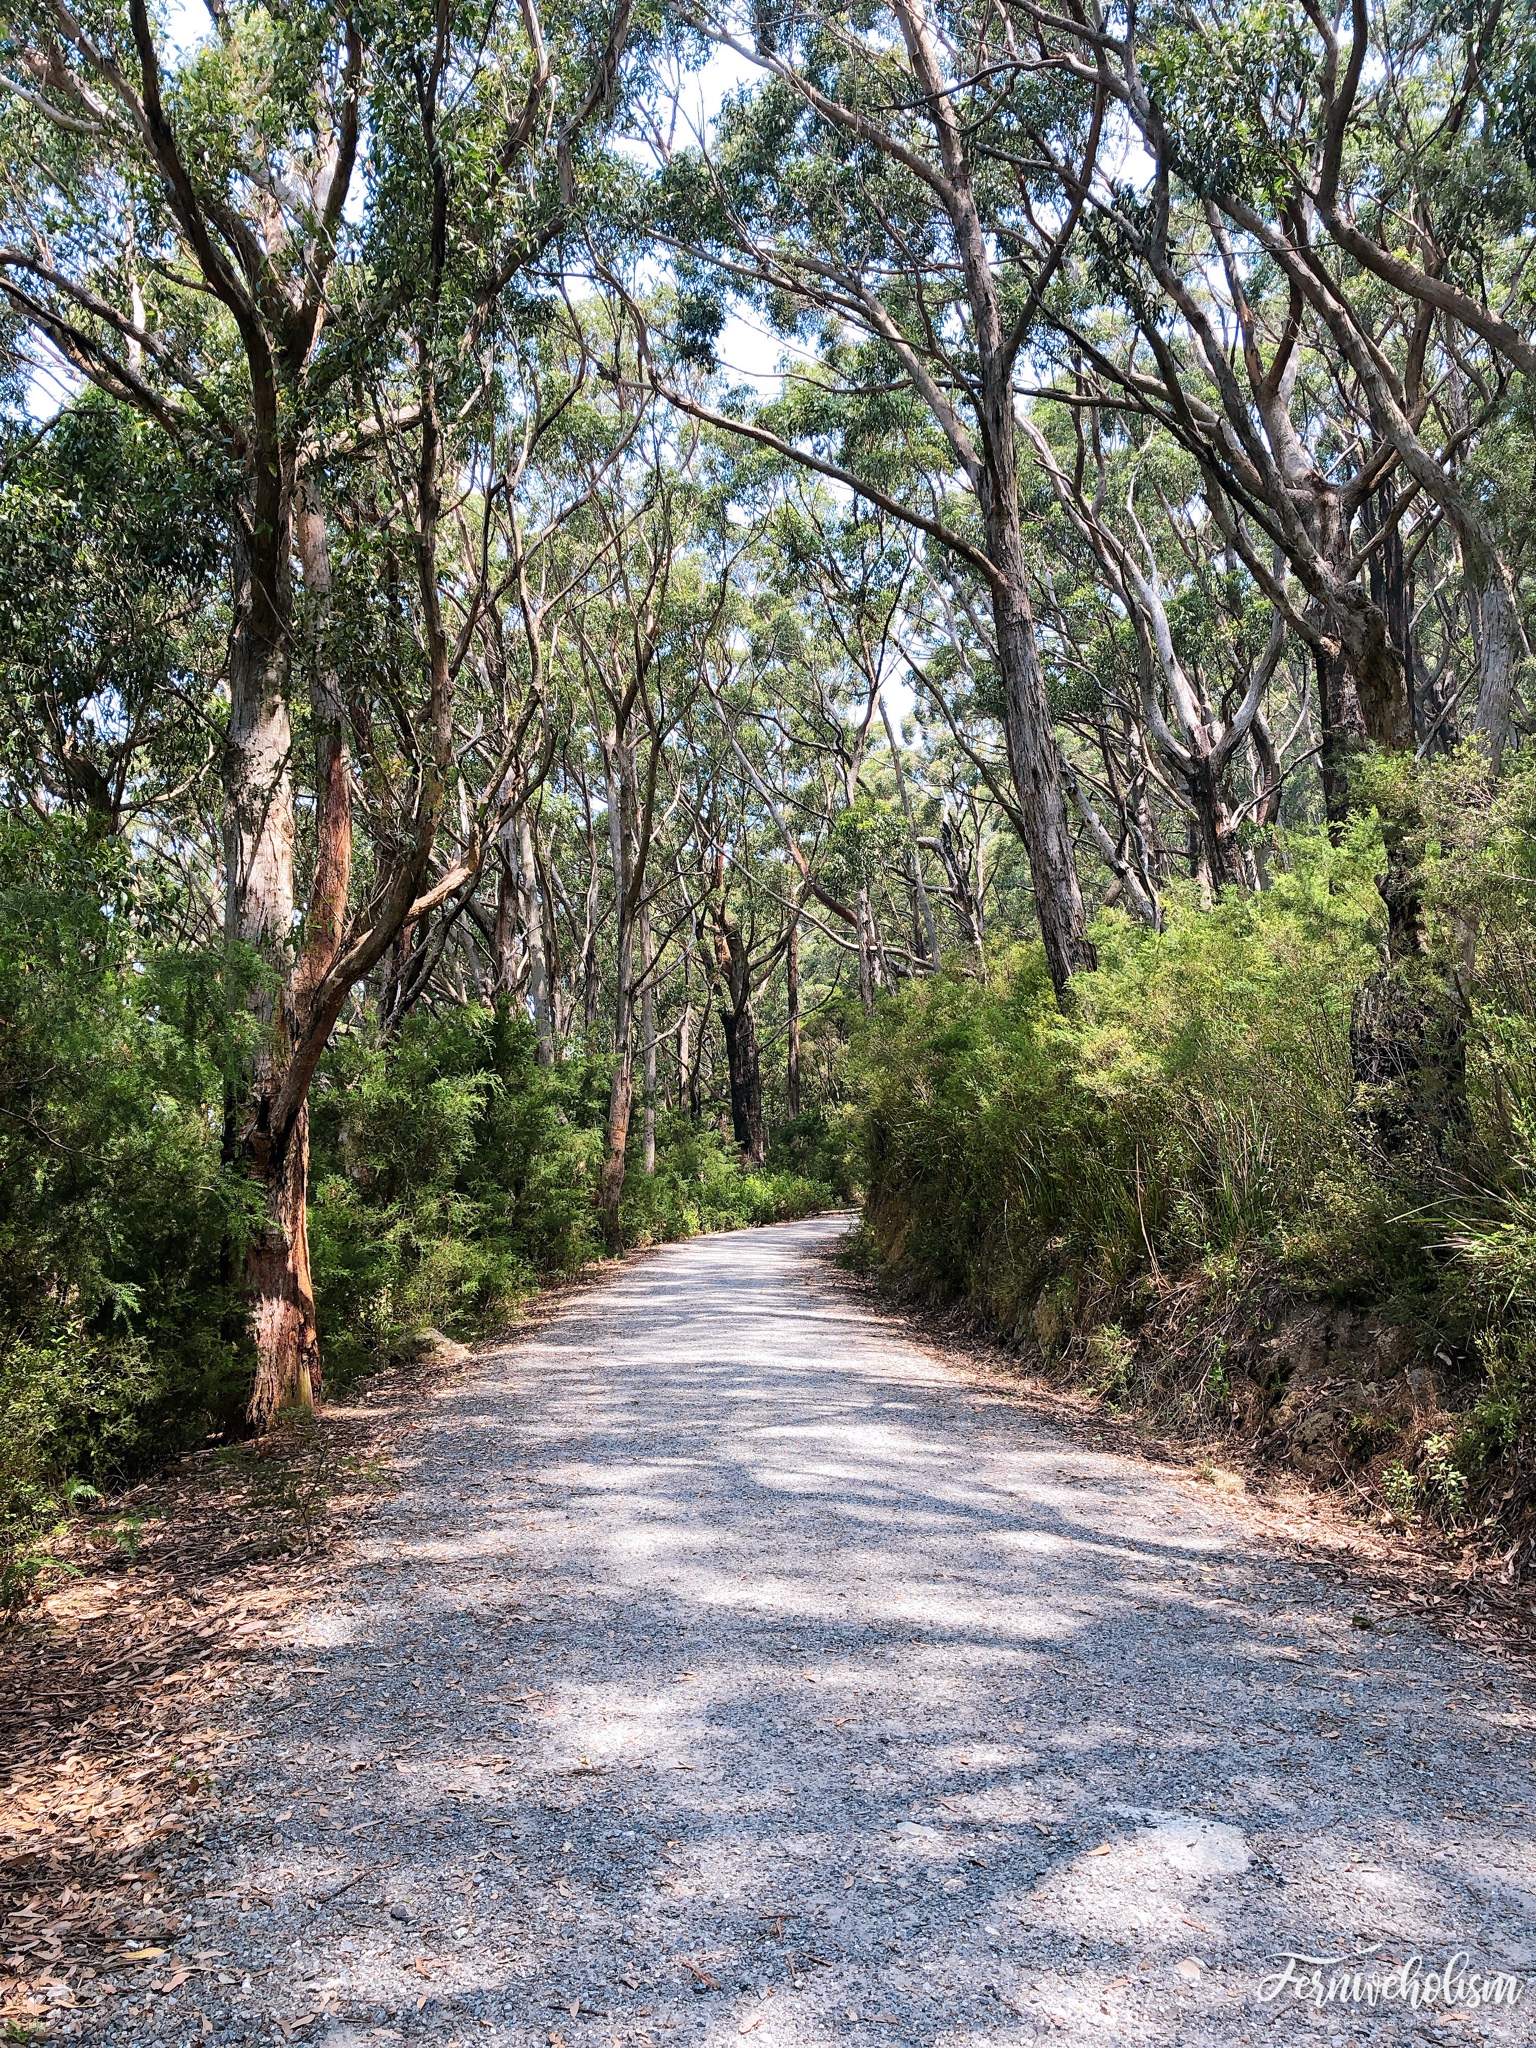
(1218, 858)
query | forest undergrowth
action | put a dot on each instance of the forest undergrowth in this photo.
(1177, 1193)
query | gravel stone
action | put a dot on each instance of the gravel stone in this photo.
(730, 1667)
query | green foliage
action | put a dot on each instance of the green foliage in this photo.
(1400, 1490)
(1192, 1101)
(449, 1174)
(1196, 1114)
(452, 1174)
(115, 1207)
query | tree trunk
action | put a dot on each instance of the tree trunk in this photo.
(686, 1091)
(1343, 734)
(621, 844)
(740, 1027)
(792, 978)
(621, 1090)
(504, 975)
(648, 1037)
(1491, 600)
(610, 1189)
(591, 986)
(280, 1286)
(1219, 862)
(259, 901)
(1032, 766)
(746, 1083)
(1032, 757)
(533, 938)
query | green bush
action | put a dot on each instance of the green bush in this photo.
(450, 1175)
(1195, 1113)
(115, 1208)
(1188, 1104)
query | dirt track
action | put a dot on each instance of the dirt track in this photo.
(732, 1667)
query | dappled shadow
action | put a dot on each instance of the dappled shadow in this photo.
(726, 1664)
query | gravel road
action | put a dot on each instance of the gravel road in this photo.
(731, 1667)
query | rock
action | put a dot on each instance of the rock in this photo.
(431, 1347)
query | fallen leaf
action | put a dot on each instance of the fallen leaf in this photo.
(700, 1976)
(1102, 1850)
(139, 1955)
(1194, 1923)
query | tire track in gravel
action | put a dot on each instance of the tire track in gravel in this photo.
(730, 1667)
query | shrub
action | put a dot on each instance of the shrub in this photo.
(1189, 1131)
(453, 1173)
(115, 1208)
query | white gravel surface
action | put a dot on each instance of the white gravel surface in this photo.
(731, 1667)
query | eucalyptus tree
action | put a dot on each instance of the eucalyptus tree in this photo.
(1208, 723)
(866, 196)
(1325, 276)
(290, 247)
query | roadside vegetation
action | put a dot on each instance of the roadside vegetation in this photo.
(1179, 1194)
(485, 784)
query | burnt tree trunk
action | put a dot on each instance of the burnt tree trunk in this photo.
(740, 1027)
(747, 1127)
